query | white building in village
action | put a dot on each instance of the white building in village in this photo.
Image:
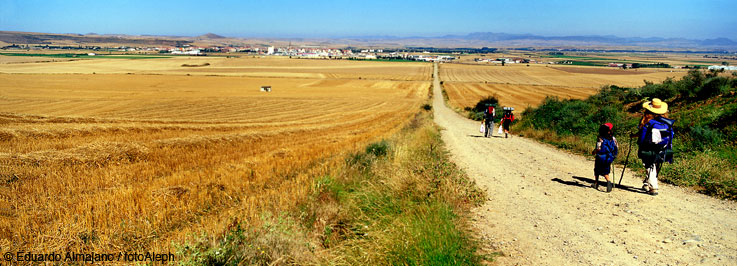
(716, 67)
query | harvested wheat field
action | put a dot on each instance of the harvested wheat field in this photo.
(243, 67)
(118, 162)
(519, 85)
(463, 94)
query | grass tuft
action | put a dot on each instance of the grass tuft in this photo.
(277, 240)
(378, 149)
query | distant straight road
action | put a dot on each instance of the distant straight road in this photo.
(541, 210)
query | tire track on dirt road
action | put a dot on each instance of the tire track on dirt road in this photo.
(541, 210)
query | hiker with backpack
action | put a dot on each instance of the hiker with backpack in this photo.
(606, 151)
(488, 122)
(655, 142)
(507, 119)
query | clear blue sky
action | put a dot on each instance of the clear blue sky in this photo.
(314, 18)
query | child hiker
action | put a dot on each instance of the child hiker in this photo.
(507, 119)
(606, 150)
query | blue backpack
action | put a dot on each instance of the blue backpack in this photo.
(657, 152)
(608, 151)
(665, 126)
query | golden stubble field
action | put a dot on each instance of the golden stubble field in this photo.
(519, 85)
(113, 161)
(245, 66)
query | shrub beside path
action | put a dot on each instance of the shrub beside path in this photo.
(542, 210)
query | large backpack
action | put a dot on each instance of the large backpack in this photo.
(489, 112)
(666, 133)
(657, 152)
(608, 151)
(509, 117)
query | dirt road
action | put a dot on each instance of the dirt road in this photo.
(541, 210)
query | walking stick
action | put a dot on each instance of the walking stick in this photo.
(612, 179)
(627, 160)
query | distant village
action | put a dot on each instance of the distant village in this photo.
(426, 54)
(292, 52)
(502, 61)
(318, 52)
(518, 60)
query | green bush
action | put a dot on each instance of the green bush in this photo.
(609, 94)
(483, 103)
(378, 149)
(665, 91)
(690, 82)
(703, 138)
(477, 112)
(573, 117)
(476, 116)
(713, 87)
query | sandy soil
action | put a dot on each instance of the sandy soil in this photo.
(541, 210)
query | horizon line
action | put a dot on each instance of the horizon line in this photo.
(347, 36)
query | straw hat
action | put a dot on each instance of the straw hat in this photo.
(656, 106)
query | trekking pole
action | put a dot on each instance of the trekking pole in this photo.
(627, 160)
(614, 175)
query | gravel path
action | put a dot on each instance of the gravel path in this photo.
(541, 210)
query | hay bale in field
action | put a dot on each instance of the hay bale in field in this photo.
(266, 88)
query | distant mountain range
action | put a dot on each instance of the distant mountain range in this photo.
(493, 39)
(607, 40)
(476, 39)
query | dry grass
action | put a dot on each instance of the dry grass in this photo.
(120, 162)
